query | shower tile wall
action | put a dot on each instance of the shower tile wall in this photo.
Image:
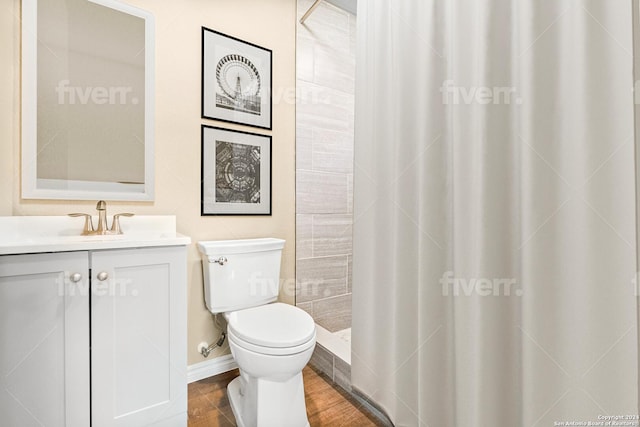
(324, 164)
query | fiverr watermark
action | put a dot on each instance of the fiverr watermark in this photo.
(481, 286)
(483, 95)
(634, 283)
(310, 95)
(636, 92)
(99, 95)
(106, 288)
(260, 286)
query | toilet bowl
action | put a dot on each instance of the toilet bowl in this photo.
(270, 341)
(271, 344)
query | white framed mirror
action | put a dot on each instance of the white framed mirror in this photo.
(87, 100)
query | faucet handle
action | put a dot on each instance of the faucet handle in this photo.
(88, 223)
(115, 225)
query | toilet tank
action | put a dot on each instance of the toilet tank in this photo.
(240, 273)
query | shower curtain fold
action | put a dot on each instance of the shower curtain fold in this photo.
(494, 250)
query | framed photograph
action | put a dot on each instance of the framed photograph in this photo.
(236, 172)
(236, 80)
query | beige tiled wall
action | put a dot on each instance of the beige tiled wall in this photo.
(324, 164)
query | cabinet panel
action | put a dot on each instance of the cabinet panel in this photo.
(44, 340)
(138, 353)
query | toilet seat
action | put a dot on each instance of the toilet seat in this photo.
(271, 351)
(276, 329)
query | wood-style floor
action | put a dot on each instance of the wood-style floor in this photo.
(326, 405)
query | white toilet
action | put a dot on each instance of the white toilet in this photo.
(270, 341)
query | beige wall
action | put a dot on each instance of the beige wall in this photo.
(178, 49)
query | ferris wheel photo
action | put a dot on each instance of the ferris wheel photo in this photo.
(238, 84)
(236, 80)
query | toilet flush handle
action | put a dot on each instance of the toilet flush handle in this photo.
(222, 260)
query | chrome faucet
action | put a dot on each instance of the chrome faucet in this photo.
(102, 228)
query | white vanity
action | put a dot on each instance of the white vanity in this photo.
(92, 328)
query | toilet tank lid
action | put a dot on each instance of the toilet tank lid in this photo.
(222, 247)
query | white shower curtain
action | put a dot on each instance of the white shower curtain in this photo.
(494, 219)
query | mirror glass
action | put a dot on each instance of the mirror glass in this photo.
(87, 100)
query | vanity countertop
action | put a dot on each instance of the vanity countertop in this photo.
(36, 234)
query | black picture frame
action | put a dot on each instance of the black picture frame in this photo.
(236, 80)
(235, 172)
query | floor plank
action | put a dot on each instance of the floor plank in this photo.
(327, 404)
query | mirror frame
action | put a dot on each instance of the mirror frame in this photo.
(34, 188)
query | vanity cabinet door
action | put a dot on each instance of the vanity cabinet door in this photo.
(138, 338)
(44, 340)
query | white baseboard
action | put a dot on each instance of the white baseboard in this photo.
(209, 368)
